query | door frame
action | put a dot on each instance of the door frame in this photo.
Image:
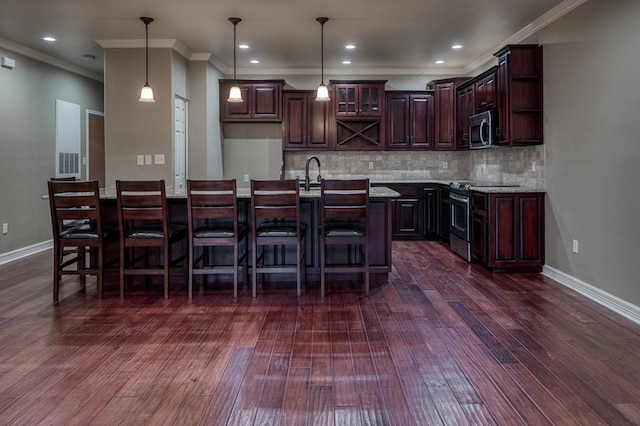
(186, 140)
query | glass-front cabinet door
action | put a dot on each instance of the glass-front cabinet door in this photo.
(370, 98)
(346, 99)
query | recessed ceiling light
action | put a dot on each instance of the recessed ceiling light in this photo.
(243, 46)
(49, 38)
(439, 61)
(456, 46)
(350, 46)
(346, 62)
(254, 61)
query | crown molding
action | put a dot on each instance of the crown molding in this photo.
(548, 18)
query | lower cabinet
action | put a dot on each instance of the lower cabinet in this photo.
(507, 231)
(444, 213)
(414, 214)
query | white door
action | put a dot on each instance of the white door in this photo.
(180, 144)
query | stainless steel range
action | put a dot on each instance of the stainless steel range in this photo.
(460, 237)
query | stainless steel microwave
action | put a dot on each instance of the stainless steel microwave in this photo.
(483, 130)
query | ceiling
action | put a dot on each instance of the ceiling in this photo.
(392, 37)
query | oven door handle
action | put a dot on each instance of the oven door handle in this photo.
(459, 198)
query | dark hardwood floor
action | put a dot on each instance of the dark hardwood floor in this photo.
(440, 342)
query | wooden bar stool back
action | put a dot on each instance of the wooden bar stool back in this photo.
(275, 208)
(145, 228)
(212, 209)
(344, 206)
(77, 228)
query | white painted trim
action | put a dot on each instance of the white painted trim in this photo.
(605, 299)
(25, 251)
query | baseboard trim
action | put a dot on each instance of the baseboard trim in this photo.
(605, 299)
(25, 251)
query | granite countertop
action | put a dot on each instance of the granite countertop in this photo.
(375, 192)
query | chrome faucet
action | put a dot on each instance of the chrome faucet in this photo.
(307, 180)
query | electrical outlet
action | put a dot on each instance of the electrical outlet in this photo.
(5, 228)
(370, 165)
(575, 246)
(140, 160)
(147, 160)
(445, 165)
(246, 178)
(533, 166)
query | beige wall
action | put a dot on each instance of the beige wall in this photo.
(592, 105)
(27, 142)
(135, 128)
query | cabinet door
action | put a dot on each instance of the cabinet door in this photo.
(317, 124)
(406, 216)
(444, 213)
(485, 93)
(370, 100)
(444, 116)
(503, 248)
(397, 121)
(531, 225)
(430, 212)
(346, 100)
(266, 102)
(237, 111)
(479, 236)
(466, 105)
(421, 121)
(294, 135)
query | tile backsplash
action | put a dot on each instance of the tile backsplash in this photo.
(520, 165)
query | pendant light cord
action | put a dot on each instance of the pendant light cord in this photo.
(322, 21)
(146, 50)
(235, 22)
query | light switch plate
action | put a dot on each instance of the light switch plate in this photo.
(159, 159)
(147, 159)
(140, 160)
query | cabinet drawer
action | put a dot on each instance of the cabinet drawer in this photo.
(405, 190)
(479, 201)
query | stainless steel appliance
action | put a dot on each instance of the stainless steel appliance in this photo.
(483, 129)
(460, 237)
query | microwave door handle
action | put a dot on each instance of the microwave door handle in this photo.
(482, 126)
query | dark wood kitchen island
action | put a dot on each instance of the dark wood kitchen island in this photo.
(380, 221)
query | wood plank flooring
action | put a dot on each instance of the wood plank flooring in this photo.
(440, 342)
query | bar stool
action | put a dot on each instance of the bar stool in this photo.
(275, 207)
(212, 209)
(344, 206)
(144, 225)
(77, 227)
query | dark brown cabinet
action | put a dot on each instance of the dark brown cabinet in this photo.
(485, 91)
(305, 124)
(262, 101)
(409, 120)
(519, 95)
(446, 110)
(444, 213)
(466, 108)
(358, 114)
(507, 231)
(430, 197)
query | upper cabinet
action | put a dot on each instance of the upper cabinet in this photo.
(262, 101)
(519, 95)
(466, 108)
(306, 122)
(446, 110)
(358, 114)
(484, 88)
(409, 120)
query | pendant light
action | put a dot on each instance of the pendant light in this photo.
(322, 93)
(146, 94)
(234, 93)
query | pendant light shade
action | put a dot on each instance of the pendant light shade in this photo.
(322, 94)
(146, 94)
(235, 95)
